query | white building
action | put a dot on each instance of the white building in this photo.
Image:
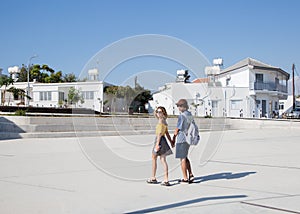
(56, 94)
(265, 85)
(247, 89)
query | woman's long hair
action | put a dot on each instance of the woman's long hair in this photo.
(165, 114)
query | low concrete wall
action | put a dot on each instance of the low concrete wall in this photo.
(42, 126)
(237, 123)
(63, 124)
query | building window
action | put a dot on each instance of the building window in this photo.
(214, 104)
(281, 105)
(227, 82)
(45, 96)
(88, 95)
(235, 104)
(61, 96)
(259, 78)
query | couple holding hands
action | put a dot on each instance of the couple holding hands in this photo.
(162, 149)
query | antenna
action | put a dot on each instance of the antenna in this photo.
(135, 82)
(293, 85)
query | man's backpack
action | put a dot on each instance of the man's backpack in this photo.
(192, 135)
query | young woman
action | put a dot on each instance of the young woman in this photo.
(182, 147)
(161, 147)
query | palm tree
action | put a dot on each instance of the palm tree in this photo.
(69, 78)
(5, 81)
(19, 92)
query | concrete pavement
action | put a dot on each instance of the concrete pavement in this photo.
(237, 171)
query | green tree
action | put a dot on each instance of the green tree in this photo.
(54, 78)
(128, 94)
(112, 92)
(135, 98)
(74, 96)
(139, 101)
(41, 73)
(69, 78)
(17, 92)
(22, 77)
(5, 81)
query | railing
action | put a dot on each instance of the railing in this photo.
(269, 86)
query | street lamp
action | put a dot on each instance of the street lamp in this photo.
(28, 87)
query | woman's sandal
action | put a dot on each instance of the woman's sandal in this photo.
(152, 181)
(165, 183)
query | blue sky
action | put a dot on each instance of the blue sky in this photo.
(66, 34)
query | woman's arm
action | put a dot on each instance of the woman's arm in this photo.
(158, 137)
(169, 138)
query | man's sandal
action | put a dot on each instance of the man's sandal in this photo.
(184, 181)
(152, 181)
(191, 178)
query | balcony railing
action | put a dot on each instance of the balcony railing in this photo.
(269, 86)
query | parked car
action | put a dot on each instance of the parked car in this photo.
(294, 113)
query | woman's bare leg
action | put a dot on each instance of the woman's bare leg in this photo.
(154, 166)
(165, 165)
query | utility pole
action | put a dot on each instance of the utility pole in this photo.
(135, 82)
(28, 86)
(293, 85)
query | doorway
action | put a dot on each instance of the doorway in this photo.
(264, 108)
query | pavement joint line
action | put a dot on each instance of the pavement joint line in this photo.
(6, 155)
(37, 186)
(270, 207)
(252, 190)
(273, 197)
(50, 173)
(253, 164)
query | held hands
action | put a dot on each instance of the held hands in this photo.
(174, 137)
(173, 141)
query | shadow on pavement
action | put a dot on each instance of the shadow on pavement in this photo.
(223, 175)
(183, 203)
(9, 130)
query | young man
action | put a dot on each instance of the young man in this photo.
(182, 147)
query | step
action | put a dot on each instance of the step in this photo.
(9, 135)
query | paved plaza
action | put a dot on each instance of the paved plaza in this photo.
(237, 171)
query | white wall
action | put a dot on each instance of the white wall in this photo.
(194, 93)
(47, 87)
(238, 78)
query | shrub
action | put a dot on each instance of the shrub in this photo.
(20, 113)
